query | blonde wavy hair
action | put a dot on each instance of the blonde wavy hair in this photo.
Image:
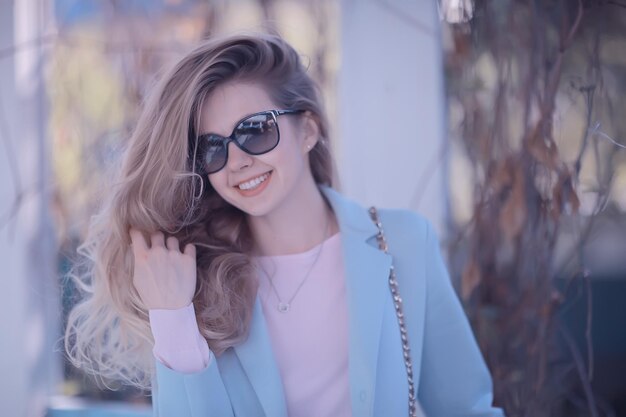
(160, 189)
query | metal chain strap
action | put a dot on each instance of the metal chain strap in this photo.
(397, 302)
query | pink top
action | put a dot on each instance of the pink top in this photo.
(311, 350)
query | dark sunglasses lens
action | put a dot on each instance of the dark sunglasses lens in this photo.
(257, 134)
(213, 153)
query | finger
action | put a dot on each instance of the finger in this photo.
(190, 249)
(172, 244)
(137, 240)
(157, 240)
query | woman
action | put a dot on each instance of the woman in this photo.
(230, 278)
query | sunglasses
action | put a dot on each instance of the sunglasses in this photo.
(255, 134)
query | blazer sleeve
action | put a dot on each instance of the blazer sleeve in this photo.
(454, 379)
(177, 394)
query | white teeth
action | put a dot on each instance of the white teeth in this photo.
(253, 183)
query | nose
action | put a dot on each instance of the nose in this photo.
(237, 159)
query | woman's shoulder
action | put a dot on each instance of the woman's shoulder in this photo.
(396, 222)
(406, 218)
(406, 226)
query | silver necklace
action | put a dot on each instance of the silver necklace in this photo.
(284, 307)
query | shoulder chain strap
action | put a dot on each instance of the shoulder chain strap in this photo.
(397, 302)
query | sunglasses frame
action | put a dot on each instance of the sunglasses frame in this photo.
(231, 137)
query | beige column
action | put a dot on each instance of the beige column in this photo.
(391, 103)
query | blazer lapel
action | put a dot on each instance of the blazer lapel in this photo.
(264, 379)
(367, 273)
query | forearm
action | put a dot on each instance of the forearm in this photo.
(178, 342)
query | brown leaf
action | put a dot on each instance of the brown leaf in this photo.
(542, 148)
(501, 176)
(470, 279)
(514, 211)
(564, 196)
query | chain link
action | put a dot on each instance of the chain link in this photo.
(397, 302)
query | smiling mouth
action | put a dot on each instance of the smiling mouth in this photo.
(253, 183)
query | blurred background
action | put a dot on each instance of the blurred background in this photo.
(502, 121)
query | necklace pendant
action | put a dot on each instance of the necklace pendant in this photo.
(283, 307)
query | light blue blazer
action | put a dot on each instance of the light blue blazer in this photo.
(450, 375)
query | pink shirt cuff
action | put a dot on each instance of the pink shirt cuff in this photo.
(178, 343)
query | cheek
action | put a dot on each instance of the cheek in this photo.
(218, 182)
(290, 156)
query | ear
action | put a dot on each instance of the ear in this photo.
(311, 132)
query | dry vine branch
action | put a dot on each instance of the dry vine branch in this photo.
(525, 190)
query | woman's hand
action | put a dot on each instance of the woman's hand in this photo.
(164, 277)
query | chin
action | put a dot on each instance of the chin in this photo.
(257, 206)
(257, 209)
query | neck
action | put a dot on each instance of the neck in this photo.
(303, 221)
